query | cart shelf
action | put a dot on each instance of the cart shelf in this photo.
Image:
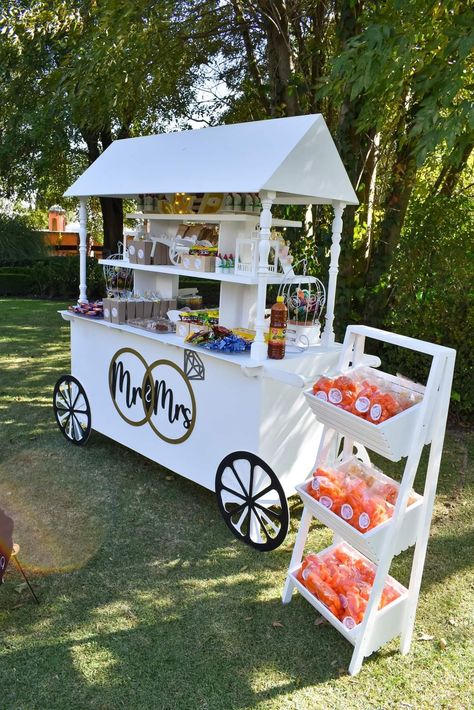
(212, 218)
(392, 438)
(370, 543)
(176, 271)
(241, 359)
(389, 620)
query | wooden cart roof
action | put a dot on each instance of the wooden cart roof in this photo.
(295, 157)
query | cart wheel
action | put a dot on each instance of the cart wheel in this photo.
(72, 410)
(252, 501)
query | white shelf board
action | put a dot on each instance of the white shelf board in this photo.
(216, 217)
(176, 271)
(241, 359)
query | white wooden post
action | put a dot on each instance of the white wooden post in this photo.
(259, 347)
(328, 336)
(82, 250)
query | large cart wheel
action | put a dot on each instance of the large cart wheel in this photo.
(252, 501)
(72, 410)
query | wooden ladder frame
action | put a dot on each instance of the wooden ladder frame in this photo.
(432, 416)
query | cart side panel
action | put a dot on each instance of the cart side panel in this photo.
(289, 432)
(205, 407)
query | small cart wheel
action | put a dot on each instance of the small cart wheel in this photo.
(72, 410)
(252, 501)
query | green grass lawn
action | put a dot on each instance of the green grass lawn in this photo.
(148, 602)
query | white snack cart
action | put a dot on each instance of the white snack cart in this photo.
(236, 423)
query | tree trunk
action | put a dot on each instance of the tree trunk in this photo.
(111, 207)
(275, 21)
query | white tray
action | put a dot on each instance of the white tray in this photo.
(370, 543)
(391, 438)
(388, 621)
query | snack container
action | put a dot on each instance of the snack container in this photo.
(132, 249)
(131, 309)
(144, 249)
(161, 254)
(390, 438)
(139, 308)
(118, 311)
(107, 306)
(371, 541)
(389, 619)
(147, 308)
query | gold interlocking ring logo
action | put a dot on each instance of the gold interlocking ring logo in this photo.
(159, 394)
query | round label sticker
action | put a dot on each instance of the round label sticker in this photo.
(364, 521)
(326, 501)
(343, 601)
(315, 484)
(131, 249)
(106, 312)
(376, 412)
(335, 396)
(197, 263)
(114, 312)
(346, 511)
(141, 254)
(186, 263)
(362, 404)
(349, 622)
(322, 396)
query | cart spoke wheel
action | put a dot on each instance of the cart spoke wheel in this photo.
(252, 501)
(71, 409)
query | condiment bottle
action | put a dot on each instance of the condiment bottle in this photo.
(278, 319)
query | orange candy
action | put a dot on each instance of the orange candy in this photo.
(342, 582)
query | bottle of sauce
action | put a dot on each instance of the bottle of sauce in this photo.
(277, 335)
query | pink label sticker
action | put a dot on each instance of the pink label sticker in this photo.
(349, 622)
(315, 484)
(326, 501)
(364, 521)
(375, 412)
(322, 396)
(362, 404)
(335, 395)
(346, 511)
(343, 601)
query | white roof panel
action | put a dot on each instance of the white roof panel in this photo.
(296, 157)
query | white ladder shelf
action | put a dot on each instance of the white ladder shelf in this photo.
(427, 425)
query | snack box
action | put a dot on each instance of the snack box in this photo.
(144, 250)
(357, 501)
(132, 249)
(198, 263)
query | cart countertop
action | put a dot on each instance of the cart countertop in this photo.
(242, 360)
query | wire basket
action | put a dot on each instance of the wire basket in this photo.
(304, 297)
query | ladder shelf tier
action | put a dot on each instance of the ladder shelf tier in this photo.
(388, 620)
(371, 542)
